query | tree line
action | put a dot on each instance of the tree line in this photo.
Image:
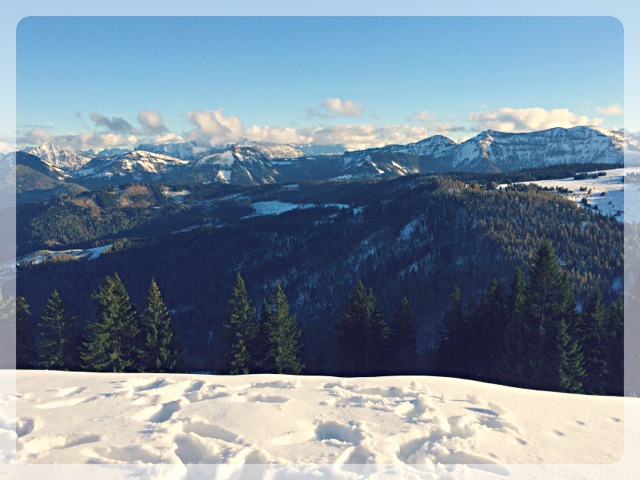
(534, 336)
(119, 339)
(531, 337)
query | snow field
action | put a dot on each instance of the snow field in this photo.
(618, 196)
(70, 417)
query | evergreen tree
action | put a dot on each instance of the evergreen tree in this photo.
(491, 321)
(594, 345)
(404, 340)
(127, 327)
(362, 335)
(615, 347)
(59, 345)
(159, 352)
(26, 351)
(112, 343)
(512, 365)
(552, 315)
(451, 358)
(280, 333)
(240, 330)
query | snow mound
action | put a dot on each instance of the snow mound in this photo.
(69, 417)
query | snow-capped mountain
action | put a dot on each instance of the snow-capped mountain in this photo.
(334, 149)
(239, 165)
(106, 152)
(54, 156)
(137, 163)
(495, 151)
(274, 151)
(183, 151)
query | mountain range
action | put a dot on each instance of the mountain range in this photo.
(252, 163)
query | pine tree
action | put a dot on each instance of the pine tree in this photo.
(158, 352)
(58, 348)
(279, 332)
(240, 329)
(491, 321)
(512, 366)
(404, 354)
(101, 349)
(450, 356)
(615, 347)
(127, 327)
(549, 304)
(362, 335)
(26, 351)
(112, 344)
(594, 341)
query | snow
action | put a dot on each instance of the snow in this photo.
(293, 186)
(175, 197)
(224, 175)
(41, 255)
(402, 427)
(277, 207)
(618, 196)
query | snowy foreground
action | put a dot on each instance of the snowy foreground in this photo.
(306, 427)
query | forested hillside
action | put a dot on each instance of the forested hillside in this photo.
(415, 237)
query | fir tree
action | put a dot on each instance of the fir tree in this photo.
(26, 351)
(159, 351)
(240, 330)
(127, 327)
(404, 339)
(59, 347)
(490, 319)
(280, 334)
(594, 345)
(512, 365)
(552, 315)
(113, 336)
(615, 347)
(362, 335)
(451, 356)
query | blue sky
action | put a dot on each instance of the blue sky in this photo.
(96, 82)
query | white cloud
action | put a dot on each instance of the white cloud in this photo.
(334, 107)
(512, 120)
(165, 138)
(7, 147)
(82, 141)
(212, 127)
(152, 121)
(463, 139)
(424, 116)
(610, 110)
(276, 135)
(349, 108)
(356, 137)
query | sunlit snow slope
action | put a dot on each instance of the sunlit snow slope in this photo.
(65, 417)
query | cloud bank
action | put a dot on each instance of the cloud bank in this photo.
(511, 120)
(610, 110)
(334, 107)
(212, 127)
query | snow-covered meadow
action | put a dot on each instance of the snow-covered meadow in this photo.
(609, 192)
(308, 427)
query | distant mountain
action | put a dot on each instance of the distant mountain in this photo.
(65, 160)
(138, 165)
(335, 149)
(106, 152)
(239, 166)
(255, 163)
(184, 151)
(275, 150)
(492, 151)
(34, 174)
